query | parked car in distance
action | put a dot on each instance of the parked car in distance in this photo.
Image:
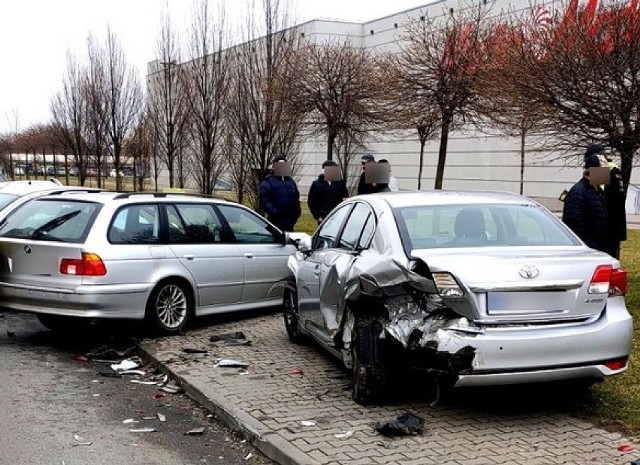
(475, 288)
(161, 257)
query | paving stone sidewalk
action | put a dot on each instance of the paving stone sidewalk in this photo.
(287, 384)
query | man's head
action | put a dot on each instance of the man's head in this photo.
(331, 171)
(385, 162)
(281, 167)
(367, 158)
(591, 159)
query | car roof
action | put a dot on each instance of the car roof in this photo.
(105, 197)
(25, 187)
(446, 197)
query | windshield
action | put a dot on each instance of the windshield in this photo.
(6, 199)
(51, 220)
(482, 225)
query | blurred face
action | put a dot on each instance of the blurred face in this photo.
(332, 173)
(282, 168)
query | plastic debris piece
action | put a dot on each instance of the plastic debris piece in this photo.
(626, 448)
(191, 350)
(236, 338)
(130, 420)
(125, 365)
(225, 363)
(248, 456)
(147, 383)
(80, 358)
(158, 396)
(243, 372)
(404, 425)
(296, 372)
(171, 388)
(148, 418)
(139, 410)
(96, 395)
(161, 417)
(80, 441)
(143, 430)
(133, 372)
(343, 435)
(308, 422)
(195, 432)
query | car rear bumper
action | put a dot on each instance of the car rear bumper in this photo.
(537, 354)
(99, 301)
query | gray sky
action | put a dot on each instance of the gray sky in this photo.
(36, 34)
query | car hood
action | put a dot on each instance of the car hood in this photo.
(521, 283)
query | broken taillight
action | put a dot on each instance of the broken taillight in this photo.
(89, 265)
(447, 285)
(617, 364)
(607, 280)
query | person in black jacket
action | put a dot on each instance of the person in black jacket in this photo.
(324, 194)
(614, 200)
(584, 209)
(279, 196)
(363, 187)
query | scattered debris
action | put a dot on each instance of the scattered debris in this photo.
(171, 388)
(130, 420)
(296, 372)
(191, 350)
(625, 448)
(143, 430)
(236, 338)
(147, 383)
(133, 372)
(388, 445)
(405, 424)
(80, 358)
(125, 365)
(195, 432)
(343, 435)
(308, 422)
(107, 353)
(225, 363)
(96, 395)
(248, 456)
(161, 417)
(80, 441)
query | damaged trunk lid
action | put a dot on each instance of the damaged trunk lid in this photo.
(527, 285)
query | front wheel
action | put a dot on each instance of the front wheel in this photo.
(291, 316)
(169, 307)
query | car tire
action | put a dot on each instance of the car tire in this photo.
(291, 316)
(368, 360)
(170, 307)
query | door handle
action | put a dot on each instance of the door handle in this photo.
(248, 255)
(188, 257)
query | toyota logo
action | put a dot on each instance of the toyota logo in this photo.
(529, 272)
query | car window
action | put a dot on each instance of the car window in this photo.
(194, 224)
(51, 220)
(367, 232)
(484, 225)
(350, 237)
(6, 199)
(247, 227)
(327, 235)
(135, 224)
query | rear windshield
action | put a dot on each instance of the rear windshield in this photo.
(6, 199)
(484, 225)
(51, 220)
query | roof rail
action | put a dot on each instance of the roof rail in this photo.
(62, 190)
(161, 195)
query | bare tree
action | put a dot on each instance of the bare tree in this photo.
(583, 73)
(123, 100)
(336, 87)
(69, 112)
(167, 103)
(258, 114)
(207, 75)
(139, 149)
(440, 57)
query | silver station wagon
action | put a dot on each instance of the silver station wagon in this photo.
(163, 257)
(474, 288)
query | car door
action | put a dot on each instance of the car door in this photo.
(354, 238)
(324, 250)
(199, 240)
(264, 253)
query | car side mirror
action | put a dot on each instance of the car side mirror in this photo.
(304, 245)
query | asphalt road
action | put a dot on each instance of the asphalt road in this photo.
(47, 398)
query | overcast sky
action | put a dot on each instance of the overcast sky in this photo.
(36, 34)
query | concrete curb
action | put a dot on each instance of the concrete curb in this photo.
(267, 441)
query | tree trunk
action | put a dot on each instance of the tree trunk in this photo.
(442, 154)
(626, 165)
(523, 136)
(423, 142)
(331, 140)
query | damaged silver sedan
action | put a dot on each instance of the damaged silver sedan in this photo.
(473, 288)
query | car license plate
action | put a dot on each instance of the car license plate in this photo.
(503, 303)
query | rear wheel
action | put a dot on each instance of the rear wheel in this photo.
(291, 318)
(169, 307)
(369, 364)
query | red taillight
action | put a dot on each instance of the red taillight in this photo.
(606, 280)
(617, 364)
(89, 265)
